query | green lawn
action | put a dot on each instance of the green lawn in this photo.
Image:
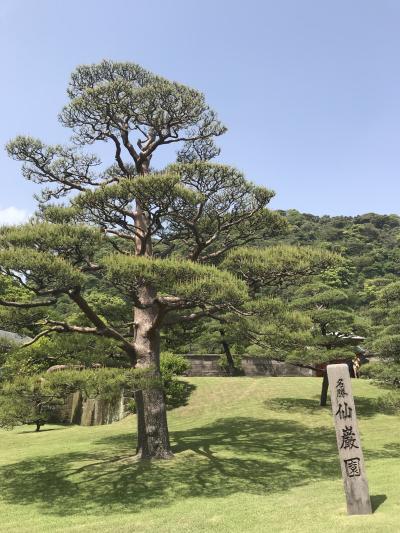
(251, 455)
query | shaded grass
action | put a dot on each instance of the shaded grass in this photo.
(218, 460)
(251, 455)
(366, 407)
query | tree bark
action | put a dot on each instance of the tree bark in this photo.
(152, 426)
(324, 389)
(153, 436)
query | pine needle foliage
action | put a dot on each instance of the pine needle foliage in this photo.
(193, 282)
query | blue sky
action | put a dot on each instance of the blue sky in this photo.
(310, 90)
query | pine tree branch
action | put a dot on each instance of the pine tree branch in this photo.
(43, 333)
(69, 328)
(172, 302)
(128, 145)
(192, 317)
(101, 327)
(27, 305)
(37, 291)
(118, 158)
(122, 235)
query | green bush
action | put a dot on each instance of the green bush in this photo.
(389, 403)
(35, 399)
(173, 365)
(176, 392)
(104, 383)
(384, 373)
(387, 375)
(27, 400)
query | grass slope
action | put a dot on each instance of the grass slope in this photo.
(252, 455)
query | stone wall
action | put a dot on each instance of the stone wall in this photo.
(208, 365)
(91, 411)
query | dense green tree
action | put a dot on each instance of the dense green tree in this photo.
(337, 329)
(181, 237)
(384, 342)
(266, 323)
(269, 321)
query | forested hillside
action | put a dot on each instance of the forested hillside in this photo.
(370, 241)
(368, 280)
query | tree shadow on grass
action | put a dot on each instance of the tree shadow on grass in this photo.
(42, 430)
(365, 407)
(232, 455)
(389, 451)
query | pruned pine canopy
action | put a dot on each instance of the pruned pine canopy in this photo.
(272, 326)
(53, 259)
(385, 314)
(200, 210)
(186, 230)
(75, 243)
(113, 99)
(278, 264)
(41, 272)
(191, 284)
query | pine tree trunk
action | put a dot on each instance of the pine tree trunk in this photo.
(324, 389)
(153, 436)
(231, 363)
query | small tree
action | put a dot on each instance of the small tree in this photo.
(384, 312)
(27, 400)
(337, 330)
(272, 323)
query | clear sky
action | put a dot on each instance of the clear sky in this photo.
(309, 89)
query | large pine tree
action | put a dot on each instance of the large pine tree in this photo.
(158, 239)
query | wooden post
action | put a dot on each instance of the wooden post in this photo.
(348, 440)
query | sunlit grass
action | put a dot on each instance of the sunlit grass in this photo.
(251, 455)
